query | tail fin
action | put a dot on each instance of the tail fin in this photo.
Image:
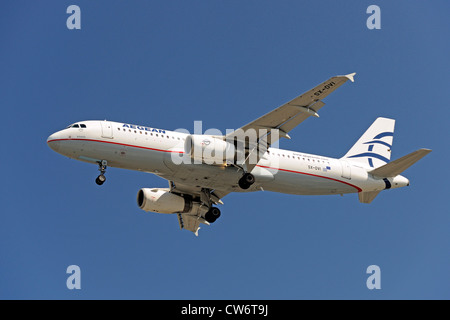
(373, 149)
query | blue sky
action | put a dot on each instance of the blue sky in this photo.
(166, 64)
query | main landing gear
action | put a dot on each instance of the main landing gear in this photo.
(102, 165)
(246, 181)
(212, 215)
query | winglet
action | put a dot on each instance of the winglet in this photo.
(350, 76)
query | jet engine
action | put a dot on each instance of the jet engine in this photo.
(211, 150)
(161, 200)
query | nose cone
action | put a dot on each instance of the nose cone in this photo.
(400, 181)
(53, 141)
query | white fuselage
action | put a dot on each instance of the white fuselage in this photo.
(158, 151)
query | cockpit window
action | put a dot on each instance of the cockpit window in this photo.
(76, 125)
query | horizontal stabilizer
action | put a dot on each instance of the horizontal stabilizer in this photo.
(396, 167)
(367, 197)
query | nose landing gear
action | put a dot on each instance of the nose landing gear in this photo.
(102, 165)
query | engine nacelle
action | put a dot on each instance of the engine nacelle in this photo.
(161, 200)
(211, 150)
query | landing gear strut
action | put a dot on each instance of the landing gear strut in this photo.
(102, 165)
(212, 215)
(246, 181)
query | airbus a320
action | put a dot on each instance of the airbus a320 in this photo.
(202, 169)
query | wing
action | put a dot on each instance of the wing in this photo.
(292, 113)
(277, 123)
(207, 197)
(191, 223)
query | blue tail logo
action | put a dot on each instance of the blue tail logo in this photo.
(370, 154)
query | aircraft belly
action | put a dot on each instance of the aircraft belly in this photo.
(304, 184)
(141, 160)
(205, 176)
(117, 155)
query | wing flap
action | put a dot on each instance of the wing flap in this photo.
(301, 116)
(191, 223)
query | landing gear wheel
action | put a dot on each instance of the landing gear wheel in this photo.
(100, 179)
(212, 215)
(102, 165)
(246, 181)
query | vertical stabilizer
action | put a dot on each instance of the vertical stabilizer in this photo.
(373, 149)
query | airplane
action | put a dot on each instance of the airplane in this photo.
(202, 169)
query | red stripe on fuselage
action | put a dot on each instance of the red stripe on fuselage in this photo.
(314, 175)
(117, 143)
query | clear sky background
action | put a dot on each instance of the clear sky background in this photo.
(166, 64)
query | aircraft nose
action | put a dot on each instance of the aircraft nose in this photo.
(53, 141)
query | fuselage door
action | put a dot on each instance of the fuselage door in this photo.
(107, 131)
(346, 170)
